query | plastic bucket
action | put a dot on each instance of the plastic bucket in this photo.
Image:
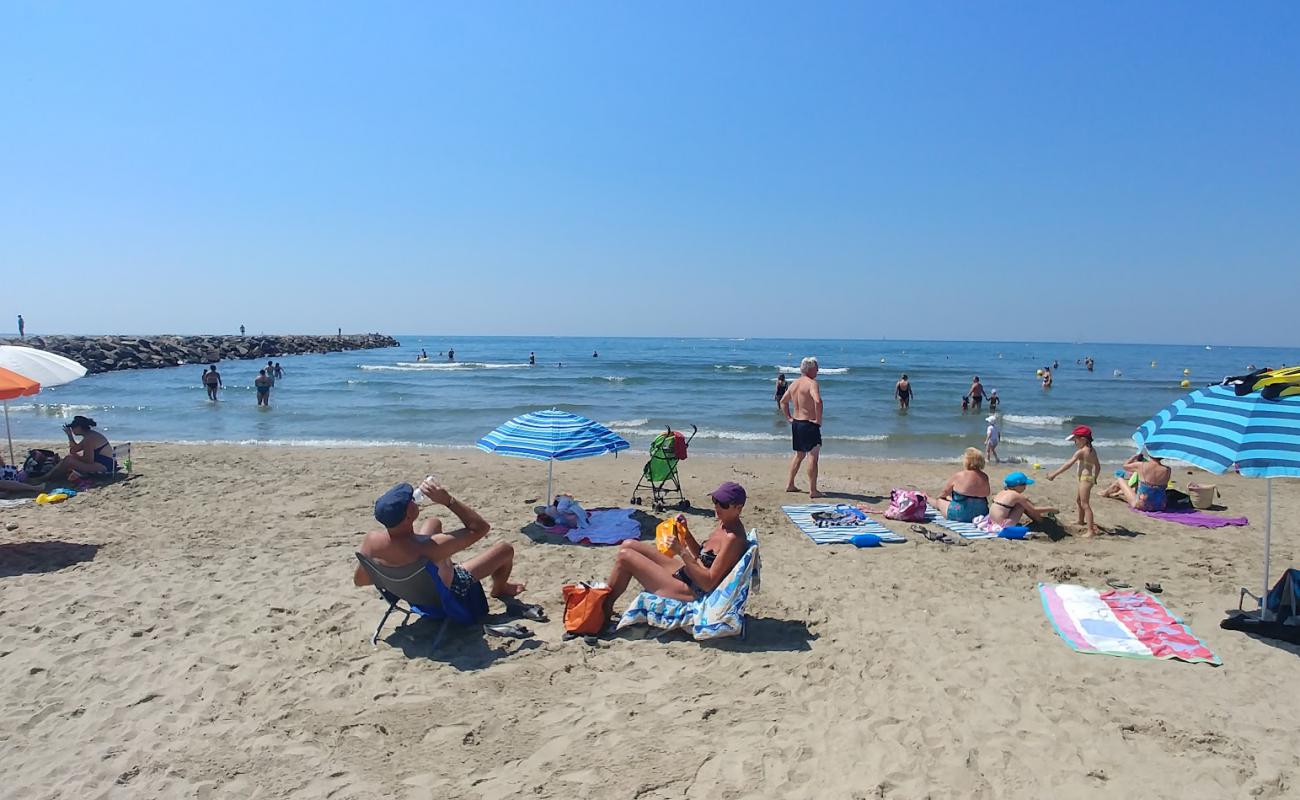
(1202, 496)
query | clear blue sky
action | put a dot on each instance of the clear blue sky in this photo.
(947, 170)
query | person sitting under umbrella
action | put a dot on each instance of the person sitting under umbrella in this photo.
(93, 455)
(694, 569)
(1153, 483)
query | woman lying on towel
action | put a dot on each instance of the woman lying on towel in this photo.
(1010, 504)
(966, 495)
(693, 570)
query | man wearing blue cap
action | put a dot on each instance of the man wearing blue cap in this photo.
(399, 545)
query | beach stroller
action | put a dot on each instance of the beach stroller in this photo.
(659, 474)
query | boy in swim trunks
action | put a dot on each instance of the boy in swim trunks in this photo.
(805, 398)
(1085, 455)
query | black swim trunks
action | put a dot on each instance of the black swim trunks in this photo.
(806, 435)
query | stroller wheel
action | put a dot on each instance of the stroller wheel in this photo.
(684, 504)
(636, 501)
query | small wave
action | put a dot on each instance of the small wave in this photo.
(1043, 421)
(821, 370)
(1030, 441)
(733, 367)
(62, 409)
(319, 443)
(457, 365)
(613, 378)
(628, 423)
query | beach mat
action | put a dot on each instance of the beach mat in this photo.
(1115, 623)
(802, 517)
(965, 530)
(1194, 518)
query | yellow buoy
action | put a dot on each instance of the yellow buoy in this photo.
(1038, 373)
(1185, 383)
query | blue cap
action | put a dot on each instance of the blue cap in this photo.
(1018, 479)
(390, 508)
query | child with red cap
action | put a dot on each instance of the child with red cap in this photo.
(1085, 455)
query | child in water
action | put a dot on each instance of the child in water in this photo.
(965, 403)
(1085, 455)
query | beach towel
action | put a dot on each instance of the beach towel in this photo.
(802, 517)
(606, 526)
(1194, 518)
(719, 613)
(966, 530)
(15, 502)
(1113, 623)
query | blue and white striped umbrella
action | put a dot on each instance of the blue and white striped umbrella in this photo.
(1214, 429)
(552, 436)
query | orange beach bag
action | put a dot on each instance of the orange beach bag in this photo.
(584, 608)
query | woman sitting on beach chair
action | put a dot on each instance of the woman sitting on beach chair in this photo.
(693, 570)
(93, 455)
(966, 494)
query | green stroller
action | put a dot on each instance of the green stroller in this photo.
(659, 474)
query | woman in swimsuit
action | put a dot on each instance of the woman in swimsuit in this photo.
(780, 387)
(966, 494)
(903, 391)
(1010, 504)
(1085, 455)
(693, 570)
(1153, 482)
(93, 455)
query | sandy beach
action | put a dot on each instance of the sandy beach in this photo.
(194, 632)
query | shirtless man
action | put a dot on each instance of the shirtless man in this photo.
(903, 391)
(263, 383)
(976, 393)
(805, 396)
(398, 545)
(212, 381)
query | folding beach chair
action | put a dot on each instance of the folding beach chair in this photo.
(424, 593)
(718, 614)
(659, 474)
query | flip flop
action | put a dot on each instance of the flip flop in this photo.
(529, 611)
(510, 630)
(921, 530)
(1155, 588)
(1117, 584)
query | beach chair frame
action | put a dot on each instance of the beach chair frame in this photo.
(671, 483)
(412, 585)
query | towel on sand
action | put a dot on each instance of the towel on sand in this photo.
(802, 517)
(1130, 624)
(1194, 518)
(607, 526)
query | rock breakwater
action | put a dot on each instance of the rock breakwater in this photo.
(109, 353)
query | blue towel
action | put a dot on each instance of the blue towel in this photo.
(802, 517)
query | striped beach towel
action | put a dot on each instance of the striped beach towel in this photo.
(1129, 624)
(802, 517)
(966, 530)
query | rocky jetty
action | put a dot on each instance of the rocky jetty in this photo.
(108, 353)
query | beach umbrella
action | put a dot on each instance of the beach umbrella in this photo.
(552, 436)
(1219, 428)
(37, 366)
(13, 385)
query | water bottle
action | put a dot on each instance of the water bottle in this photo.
(420, 498)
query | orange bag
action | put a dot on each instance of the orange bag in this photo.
(669, 528)
(584, 608)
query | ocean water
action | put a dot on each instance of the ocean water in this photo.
(637, 386)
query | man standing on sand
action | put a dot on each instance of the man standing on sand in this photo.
(805, 396)
(212, 382)
(22, 327)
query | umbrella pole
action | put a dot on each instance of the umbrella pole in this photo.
(1264, 614)
(550, 467)
(10, 435)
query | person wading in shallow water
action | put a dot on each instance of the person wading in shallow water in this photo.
(802, 404)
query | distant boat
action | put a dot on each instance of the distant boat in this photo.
(1207, 347)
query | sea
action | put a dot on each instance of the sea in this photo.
(723, 389)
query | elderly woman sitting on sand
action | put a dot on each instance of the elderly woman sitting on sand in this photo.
(1152, 484)
(93, 455)
(1010, 504)
(966, 494)
(693, 570)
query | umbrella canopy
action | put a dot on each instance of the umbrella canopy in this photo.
(47, 369)
(1219, 427)
(552, 436)
(37, 367)
(13, 385)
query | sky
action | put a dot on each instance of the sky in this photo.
(1006, 171)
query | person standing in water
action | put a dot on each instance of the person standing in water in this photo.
(903, 391)
(279, 371)
(976, 393)
(263, 382)
(780, 387)
(532, 359)
(802, 404)
(270, 371)
(451, 355)
(212, 382)
(594, 354)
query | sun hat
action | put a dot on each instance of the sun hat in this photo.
(390, 508)
(1017, 479)
(991, 418)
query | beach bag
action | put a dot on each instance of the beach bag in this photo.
(907, 505)
(584, 608)
(40, 462)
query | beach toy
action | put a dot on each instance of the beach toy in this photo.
(866, 540)
(1184, 383)
(1038, 466)
(47, 499)
(1013, 532)
(669, 529)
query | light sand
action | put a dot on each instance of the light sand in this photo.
(195, 633)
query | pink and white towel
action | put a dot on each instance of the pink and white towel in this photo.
(1131, 624)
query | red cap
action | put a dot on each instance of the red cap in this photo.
(1084, 431)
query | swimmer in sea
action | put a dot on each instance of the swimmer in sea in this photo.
(903, 391)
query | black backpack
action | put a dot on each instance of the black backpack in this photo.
(40, 462)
